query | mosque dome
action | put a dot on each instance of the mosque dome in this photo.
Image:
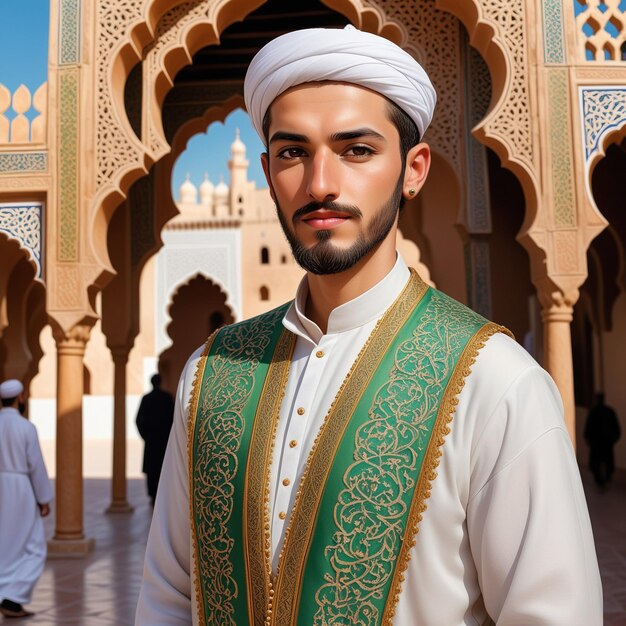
(238, 147)
(206, 191)
(188, 192)
(221, 190)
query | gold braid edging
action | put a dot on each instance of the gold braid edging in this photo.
(431, 459)
(192, 410)
(257, 537)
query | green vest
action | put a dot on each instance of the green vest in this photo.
(366, 481)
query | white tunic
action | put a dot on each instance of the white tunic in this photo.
(506, 534)
(23, 484)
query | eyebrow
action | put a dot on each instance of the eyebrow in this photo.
(339, 136)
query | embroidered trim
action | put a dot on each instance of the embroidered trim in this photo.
(222, 416)
(299, 531)
(256, 510)
(432, 457)
(192, 410)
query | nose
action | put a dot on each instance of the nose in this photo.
(323, 177)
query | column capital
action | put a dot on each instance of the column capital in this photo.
(120, 354)
(556, 305)
(72, 341)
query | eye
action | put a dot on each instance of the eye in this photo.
(359, 151)
(290, 153)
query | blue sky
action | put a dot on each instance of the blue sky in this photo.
(24, 37)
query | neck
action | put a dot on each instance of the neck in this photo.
(328, 291)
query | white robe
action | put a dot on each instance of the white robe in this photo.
(506, 534)
(23, 484)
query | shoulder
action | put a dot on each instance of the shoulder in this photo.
(507, 405)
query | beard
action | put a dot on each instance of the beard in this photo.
(324, 257)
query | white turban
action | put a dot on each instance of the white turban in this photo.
(344, 55)
(11, 389)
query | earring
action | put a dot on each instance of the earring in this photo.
(412, 192)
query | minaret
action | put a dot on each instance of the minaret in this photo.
(238, 166)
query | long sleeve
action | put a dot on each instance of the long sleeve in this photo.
(37, 468)
(506, 536)
(165, 597)
(528, 524)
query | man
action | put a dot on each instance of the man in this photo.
(25, 495)
(602, 432)
(312, 443)
(154, 422)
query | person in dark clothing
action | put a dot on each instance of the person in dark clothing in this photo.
(602, 431)
(154, 421)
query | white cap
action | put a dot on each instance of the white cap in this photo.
(342, 55)
(11, 389)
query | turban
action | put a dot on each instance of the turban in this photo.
(11, 389)
(344, 55)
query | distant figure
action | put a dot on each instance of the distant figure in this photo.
(602, 432)
(25, 495)
(154, 421)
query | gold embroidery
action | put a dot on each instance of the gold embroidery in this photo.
(301, 525)
(192, 409)
(256, 521)
(217, 437)
(433, 455)
(372, 509)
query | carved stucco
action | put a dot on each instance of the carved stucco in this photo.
(24, 223)
(603, 113)
(553, 35)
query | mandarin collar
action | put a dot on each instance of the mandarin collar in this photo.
(369, 306)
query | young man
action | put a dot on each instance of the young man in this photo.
(25, 494)
(374, 452)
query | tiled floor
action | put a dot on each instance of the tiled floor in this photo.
(103, 588)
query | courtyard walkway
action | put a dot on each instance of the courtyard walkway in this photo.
(103, 588)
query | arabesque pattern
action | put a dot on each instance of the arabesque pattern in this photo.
(601, 28)
(435, 34)
(23, 223)
(114, 150)
(604, 110)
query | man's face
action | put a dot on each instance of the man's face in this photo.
(335, 173)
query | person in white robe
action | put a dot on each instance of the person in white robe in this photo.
(506, 536)
(25, 496)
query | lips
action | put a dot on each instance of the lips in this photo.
(325, 219)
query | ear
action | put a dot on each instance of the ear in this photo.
(265, 164)
(416, 170)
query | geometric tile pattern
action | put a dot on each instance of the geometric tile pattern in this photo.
(69, 32)
(560, 148)
(15, 162)
(554, 47)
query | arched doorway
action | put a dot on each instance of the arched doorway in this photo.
(599, 328)
(197, 309)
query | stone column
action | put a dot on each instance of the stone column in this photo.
(119, 504)
(557, 355)
(69, 538)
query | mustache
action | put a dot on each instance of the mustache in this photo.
(311, 207)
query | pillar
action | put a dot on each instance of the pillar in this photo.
(69, 538)
(119, 504)
(557, 354)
